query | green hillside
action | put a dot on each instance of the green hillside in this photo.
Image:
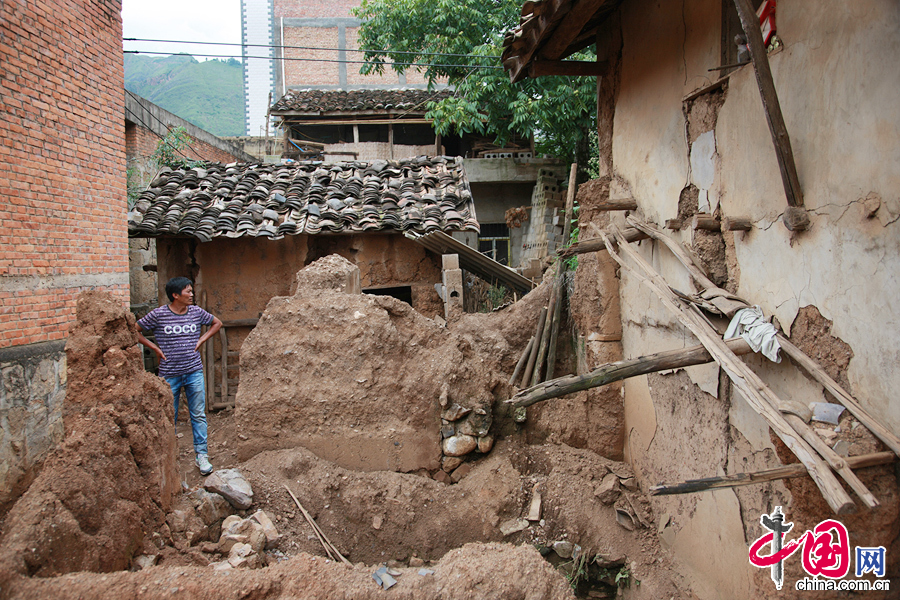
(208, 94)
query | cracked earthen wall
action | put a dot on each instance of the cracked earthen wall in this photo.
(836, 81)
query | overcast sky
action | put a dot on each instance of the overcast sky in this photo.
(189, 20)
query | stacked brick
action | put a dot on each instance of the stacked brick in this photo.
(62, 181)
(545, 227)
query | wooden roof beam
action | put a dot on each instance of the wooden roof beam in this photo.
(572, 68)
(570, 27)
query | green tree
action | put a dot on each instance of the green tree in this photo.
(559, 112)
(170, 150)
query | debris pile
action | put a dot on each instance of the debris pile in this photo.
(114, 476)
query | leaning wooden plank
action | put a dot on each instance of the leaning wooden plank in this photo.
(729, 304)
(619, 370)
(780, 137)
(522, 359)
(806, 363)
(741, 479)
(751, 386)
(223, 337)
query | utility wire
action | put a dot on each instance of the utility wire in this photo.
(320, 60)
(311, 48)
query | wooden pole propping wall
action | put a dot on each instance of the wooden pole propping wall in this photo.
(544, 339)
(619, 370)
(529, 368)
(787, 471)
(561, 272)
(522, 360)
(757, 394)
(795, 217)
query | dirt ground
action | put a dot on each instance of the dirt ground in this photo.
(121, 491)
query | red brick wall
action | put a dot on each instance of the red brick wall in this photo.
(141, 142)
(62, 163)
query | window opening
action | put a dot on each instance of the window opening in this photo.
(493, 241)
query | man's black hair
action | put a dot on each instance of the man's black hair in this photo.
(175, 285)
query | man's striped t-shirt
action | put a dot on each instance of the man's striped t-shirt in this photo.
(177, 335)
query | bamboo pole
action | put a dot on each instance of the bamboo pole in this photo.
(742, 479)
(619, 370)
(758, 395)
(522, 359)
(223, 338)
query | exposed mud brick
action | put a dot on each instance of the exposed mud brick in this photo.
(811, 332)
(113, 477)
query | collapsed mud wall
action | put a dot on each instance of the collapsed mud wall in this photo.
(365, 381)
(680, 153)
(113, 477)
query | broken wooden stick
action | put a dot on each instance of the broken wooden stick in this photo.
(525, 354)
(758, 395)
(330, 548)
(619, 370)
(741, 479)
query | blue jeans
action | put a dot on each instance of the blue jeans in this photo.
(194, 389)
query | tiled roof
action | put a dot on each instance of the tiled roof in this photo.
(417, 195)
(343, 101)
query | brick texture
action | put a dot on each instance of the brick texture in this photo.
(62, 163)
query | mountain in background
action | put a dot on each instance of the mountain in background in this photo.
(208, 94)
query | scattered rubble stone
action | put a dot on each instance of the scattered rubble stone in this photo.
(564, 548)
(449, 463)
(608, 490)
(231, 485)
(513, 526)
(459, 445)
(211, 507)
(455, 412)
(485, 443)
(460, 472)
(534, 509)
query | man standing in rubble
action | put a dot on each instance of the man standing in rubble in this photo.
(176, 327)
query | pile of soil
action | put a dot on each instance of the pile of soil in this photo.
(114, 476)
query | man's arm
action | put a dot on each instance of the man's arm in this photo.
(149, 344)
(216, 326)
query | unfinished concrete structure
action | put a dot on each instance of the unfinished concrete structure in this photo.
(794, 209)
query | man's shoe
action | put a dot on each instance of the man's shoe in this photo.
(204, 465)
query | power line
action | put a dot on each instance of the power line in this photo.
(320, 60)
(311, 48)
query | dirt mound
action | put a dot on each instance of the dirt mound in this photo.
(366, 381)
(114, 475)
(473, 572)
